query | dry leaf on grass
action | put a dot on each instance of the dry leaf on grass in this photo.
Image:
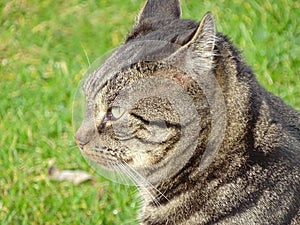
(74, 176)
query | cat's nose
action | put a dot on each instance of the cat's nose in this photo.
(80, 138)
(84, 134)
(79, 143)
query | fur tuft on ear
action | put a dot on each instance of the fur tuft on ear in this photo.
(200, 49)
(205, 36)
(163, 9)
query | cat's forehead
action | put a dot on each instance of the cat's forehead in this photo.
(151, 41)
(125, 57)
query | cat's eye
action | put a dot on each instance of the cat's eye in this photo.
(116, 112)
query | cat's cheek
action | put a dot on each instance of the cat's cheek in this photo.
(86, 151)
(143, 159)
(140, 160)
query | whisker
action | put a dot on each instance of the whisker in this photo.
(142, 182)
(73, 147)
(128, 172)
(120, 173)
(144, 179)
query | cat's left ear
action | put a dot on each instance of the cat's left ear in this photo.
(162, 9)
(200, 49)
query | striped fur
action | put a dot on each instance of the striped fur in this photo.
(255, 176)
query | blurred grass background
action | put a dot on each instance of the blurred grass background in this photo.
(44, 50)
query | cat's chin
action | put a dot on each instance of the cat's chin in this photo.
(118, 172)
(99, 160)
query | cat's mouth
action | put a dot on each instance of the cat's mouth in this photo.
(105, 157)
(100, 160)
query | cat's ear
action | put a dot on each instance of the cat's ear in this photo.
(168, 9)
(201, 46)
(203, 40)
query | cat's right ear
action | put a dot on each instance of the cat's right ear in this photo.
(162, 9)
(200, 49)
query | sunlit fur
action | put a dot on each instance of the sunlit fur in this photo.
(254, 178)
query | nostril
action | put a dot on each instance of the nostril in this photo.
(80, 144)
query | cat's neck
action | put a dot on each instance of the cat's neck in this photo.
(229, 66)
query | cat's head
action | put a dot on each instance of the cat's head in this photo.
(148, 106)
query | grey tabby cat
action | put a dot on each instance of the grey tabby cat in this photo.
(178, 109)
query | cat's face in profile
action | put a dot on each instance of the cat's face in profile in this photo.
(143, 118)
(126, 127)
(147, 104)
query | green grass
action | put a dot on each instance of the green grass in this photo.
(43, 49)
